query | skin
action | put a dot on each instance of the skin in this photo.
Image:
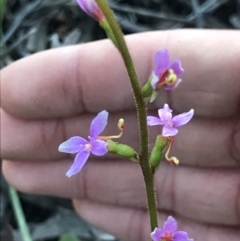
(53, 95)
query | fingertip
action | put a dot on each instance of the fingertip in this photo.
(11, 170)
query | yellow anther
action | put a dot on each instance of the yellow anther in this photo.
(171, 78)
(174, 160)
(121, 124)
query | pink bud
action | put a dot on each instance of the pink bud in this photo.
(91, 8)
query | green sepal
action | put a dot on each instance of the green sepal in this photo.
(147, 90)
(105, 25)
(157, 152)
(122, 150)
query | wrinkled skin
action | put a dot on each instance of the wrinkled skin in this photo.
(53, 95)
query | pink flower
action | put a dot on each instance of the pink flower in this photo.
(166, 74)
(170, 123)
(83, 148)
(168, 232)
(91, 8)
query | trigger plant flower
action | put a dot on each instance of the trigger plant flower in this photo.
(169, 122)
(166, 74)
(83, 147)
(170, 125)
(169, 233)
(92, 8)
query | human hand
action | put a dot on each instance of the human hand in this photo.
(54, 95)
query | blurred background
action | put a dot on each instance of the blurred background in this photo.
(30, 26)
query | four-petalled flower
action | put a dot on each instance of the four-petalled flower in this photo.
(169, 233)
(83, 147)
(166, 74)
(91, 8)
(169, 123)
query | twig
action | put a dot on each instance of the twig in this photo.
(148, 13)
(18, 20)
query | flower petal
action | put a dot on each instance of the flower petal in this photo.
(73, 145)
(78, 163)
(170, 225)
(169, 131)
(99, 147)
(181, 236)
(165, 114)
(183, 118)
(89, 6)
(83, 6)
(98, 124)
(176, 66)
(161, 61)
(156, 234)
(154, 80)
(167, 108)
(152, 121)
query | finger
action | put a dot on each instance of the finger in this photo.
(92, 77)
(212, 196)
(202, 142)
(133, 224)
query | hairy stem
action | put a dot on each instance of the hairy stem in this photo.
(141, 111)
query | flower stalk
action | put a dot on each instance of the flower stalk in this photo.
(105, 25)
(141, 111)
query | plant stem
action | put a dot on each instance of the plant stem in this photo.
(19, 215)
(141, 111)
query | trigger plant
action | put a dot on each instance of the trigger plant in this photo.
(165, 76)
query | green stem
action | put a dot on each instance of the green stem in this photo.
(141, 111)
(104, 24)
(19, 215)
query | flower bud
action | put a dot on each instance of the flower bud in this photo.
(122, 150)
(92, 8)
